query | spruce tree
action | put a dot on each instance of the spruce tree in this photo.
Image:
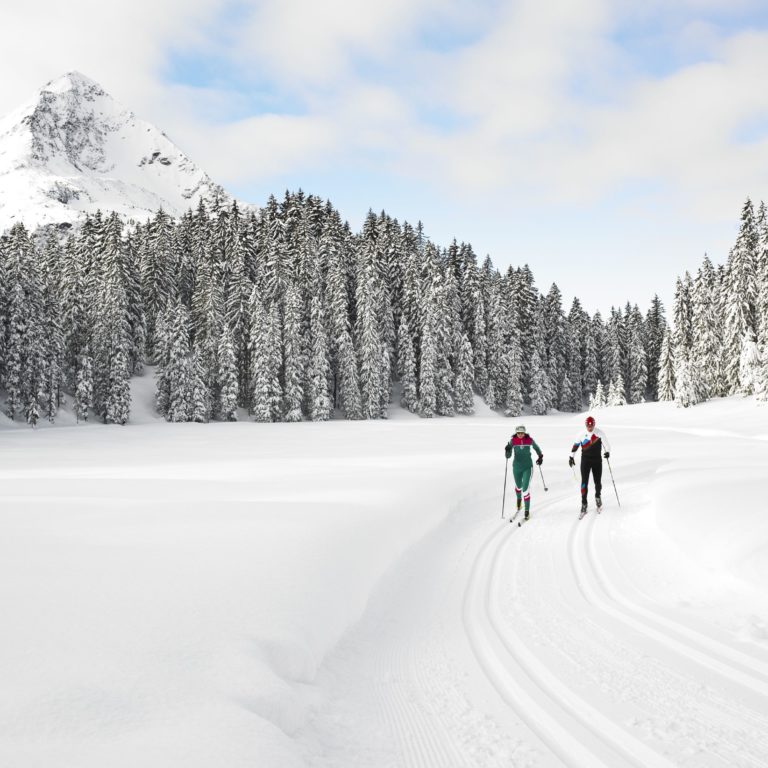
(598, 399)
(368, 331)
(427, 370)
(465, 374)
(740, 297)
(616, 392)
(654, 325)
(84, 387)
(320, 407)
(200, 407)
(227, 377)
(666, 382)
(407, 367)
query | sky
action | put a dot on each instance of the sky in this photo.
(607, 144)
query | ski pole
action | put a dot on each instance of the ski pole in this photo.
(542, 478)
(613, 481)
(504, 495)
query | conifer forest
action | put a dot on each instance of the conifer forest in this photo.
(288, 314)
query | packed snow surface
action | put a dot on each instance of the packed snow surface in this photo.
(347, 594)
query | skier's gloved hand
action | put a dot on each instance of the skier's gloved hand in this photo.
(540, 459)
(571, 461)
(607, 455)
(508, 450)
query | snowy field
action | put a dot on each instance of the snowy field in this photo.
(346, 594)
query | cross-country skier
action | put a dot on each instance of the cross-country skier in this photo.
(591, 444)
(522, 465)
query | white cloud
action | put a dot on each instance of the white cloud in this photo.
(305, 43)
(122, 46)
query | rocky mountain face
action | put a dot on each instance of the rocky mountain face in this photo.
(73, 149)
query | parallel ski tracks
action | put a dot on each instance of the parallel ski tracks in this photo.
(571, 728)
(730, 663)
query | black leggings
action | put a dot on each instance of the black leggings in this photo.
(597, 474)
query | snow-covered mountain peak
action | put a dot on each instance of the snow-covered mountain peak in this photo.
(73, 149)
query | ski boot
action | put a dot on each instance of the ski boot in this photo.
(583, 508)
(598, 502)
(519, 504)
(527, 515)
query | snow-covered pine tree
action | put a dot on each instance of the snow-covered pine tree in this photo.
(480, 347)
(571, 394)
(465, 375)
(706, 331)
(53, 340)
(84, 387)
(602, 348)
(445, 329)
(750, 366)
(666, 381)
(25, 343)
(368, 329)
(555, 342)
(293, 362)
(177, 374)
(685, 389)
(681, 339)
(495, 324)
(654, 333)
(527, 306)
(74, 316)
(616, 351)
(117, 405)
(636, 357)
(598, 399)
(136, 320)
(200, 407)
(163, 341)
(227, 377)
(539, 385)
(158, 269)
(263, 377)
(590, 377)
(111, 375)
(427, 368)
(740, 298)
(406, 358)
(319, 373)
(616, 392)
(411, 300)
(579, 330)
(761, 304)
(468, 291)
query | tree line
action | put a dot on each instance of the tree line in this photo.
(289, 314)
(718, 343)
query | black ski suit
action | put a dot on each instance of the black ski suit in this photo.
(591, 444)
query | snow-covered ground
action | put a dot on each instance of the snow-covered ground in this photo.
(346, 594)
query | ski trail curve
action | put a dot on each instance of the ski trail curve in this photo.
(577, 733)
(595, 585)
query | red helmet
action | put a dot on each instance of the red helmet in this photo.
(590, 422)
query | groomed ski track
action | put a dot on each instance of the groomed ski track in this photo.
(499, 645)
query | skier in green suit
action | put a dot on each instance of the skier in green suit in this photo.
(522, 465)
